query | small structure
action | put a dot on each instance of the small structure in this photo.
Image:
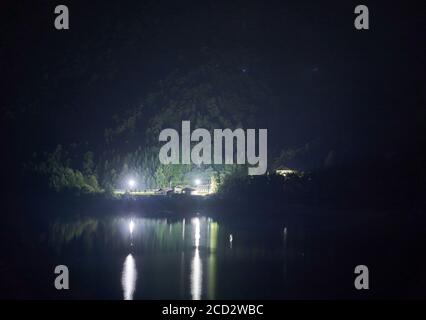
(188, 190)
(203, 182)
(285, 171)
(202, 189)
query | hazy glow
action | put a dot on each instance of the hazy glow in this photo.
(183, 229)
(197, 182)
(131, 183)
(285, 236)
(196, 266)
(128, 277)
(196, 276)
(196, 229)
(131, 226)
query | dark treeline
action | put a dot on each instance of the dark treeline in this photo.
(390, 185)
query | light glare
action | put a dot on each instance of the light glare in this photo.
(131, 183)
(131, 226)
(128, 278)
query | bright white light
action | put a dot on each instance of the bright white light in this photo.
(196, 265)
(196, 276)
(128, 277)
(183, 229)
(196, 229)
(131, 183)
(131, 226)
(197, 182)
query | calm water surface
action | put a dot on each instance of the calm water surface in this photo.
(190, 258)
(134, 256)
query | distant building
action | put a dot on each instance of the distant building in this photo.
(202, 181)
(188, 190)
(202, 189)
(285, 171)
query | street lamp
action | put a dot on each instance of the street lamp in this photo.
(131, 183)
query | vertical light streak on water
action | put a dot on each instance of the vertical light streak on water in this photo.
(128, 277)
(131, 227)
(196, 276)
(183, 230)
(196, 231)
(196, 265)
(285, 235)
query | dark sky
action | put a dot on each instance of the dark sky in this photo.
(359, 92)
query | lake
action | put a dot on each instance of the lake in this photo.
(134, 255)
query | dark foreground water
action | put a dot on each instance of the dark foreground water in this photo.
(131, 255)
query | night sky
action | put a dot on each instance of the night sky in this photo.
(360, 93)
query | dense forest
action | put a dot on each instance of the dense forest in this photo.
(205, 95)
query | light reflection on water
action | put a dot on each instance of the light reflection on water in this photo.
(196, 276)
(129, 277)
(235, 257)
(196, 266)
(164, 245)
